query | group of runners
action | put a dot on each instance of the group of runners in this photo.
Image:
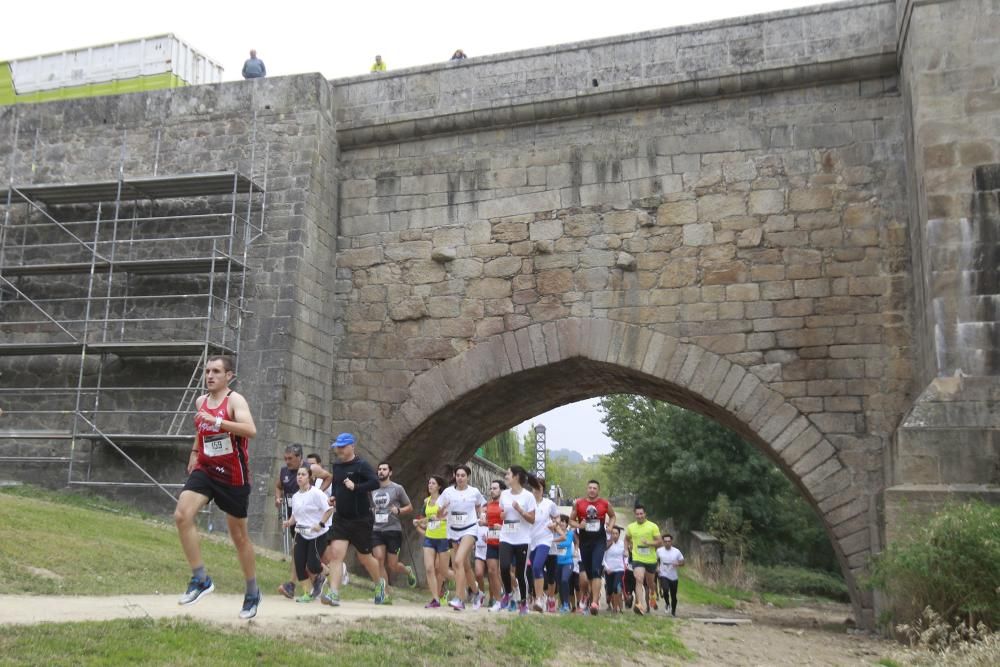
(511, 549)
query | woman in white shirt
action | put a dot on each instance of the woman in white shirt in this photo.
(462, 504)
(310, 513)
(546, 513)
(517, 506)
(614, 569)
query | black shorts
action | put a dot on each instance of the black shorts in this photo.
(392, 540)
(233, 500)
(492, 552)
(356, 531)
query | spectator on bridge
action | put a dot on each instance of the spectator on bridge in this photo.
(378, 65)
(254, 68)
(458, 55)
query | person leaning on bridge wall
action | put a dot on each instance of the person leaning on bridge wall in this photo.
(378, 65)
(458, 55)
(253, 67)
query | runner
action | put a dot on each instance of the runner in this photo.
(353, 480)
(462, 504)
(284, 488)
(390, 502)
(589, 515)
(518, 507)
(642, 537)
(493, 521)
(218, 470)
(311, 513)
(546, 514)
(323, 481)
(670, 558)
(479, 562)
(435, 542)
(564, 551)
(614, 569)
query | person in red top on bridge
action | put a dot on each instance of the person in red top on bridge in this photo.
(218, 469)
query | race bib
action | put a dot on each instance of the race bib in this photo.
(511, 527)
(217, 445)
(559, 551)
(382, 516)
(592, 525)
(493, 534)
(458, 519)
(434, 524)
(643, 551)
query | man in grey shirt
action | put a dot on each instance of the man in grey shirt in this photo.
(253, 67)
(389, 501)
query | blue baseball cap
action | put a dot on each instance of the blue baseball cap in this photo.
(343, 440)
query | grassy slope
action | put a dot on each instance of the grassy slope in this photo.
(78, 537)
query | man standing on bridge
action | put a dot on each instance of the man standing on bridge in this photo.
(253, 67)
(218, 469)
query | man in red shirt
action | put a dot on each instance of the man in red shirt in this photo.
(218, 470)
(588, 516)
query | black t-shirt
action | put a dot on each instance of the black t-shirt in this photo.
(289, 483)
(354, 504)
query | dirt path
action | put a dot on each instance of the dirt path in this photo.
(799, 636)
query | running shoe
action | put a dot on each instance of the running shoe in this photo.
(305, 597)
(287, 589)
(512, 605)
(250, 604)
(477, 603)
(564, 609)
(538, 606)
(522, 610)
(653, 604)
(411, 577)
(551, 606)
(637, 609)
(380, 591)
(496, 606)
(318, 583)
(331, 599)
(196, 590)
(456, 604)
(433, 604)
(594, 608)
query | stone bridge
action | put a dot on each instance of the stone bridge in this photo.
(783, 222)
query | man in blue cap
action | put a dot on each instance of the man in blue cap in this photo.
(353, 480)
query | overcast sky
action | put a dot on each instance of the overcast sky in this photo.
(341, 39)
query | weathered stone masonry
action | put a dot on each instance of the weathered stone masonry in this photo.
(749, 218)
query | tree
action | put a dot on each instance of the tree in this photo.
(503, 448)
(677, 462)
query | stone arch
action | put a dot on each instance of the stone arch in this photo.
(452, 405)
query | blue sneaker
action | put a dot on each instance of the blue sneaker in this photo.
(380, 591)
(512, 605)
(196, 590)
(250, 604)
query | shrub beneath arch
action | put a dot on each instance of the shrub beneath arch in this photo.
(949, 562)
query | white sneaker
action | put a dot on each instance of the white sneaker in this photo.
(477, 602)
(496, 606)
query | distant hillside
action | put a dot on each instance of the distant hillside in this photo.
(566, 455)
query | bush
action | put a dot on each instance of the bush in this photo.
(800, 581)
(949, 562)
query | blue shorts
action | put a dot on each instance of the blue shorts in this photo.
(439, 545)
(492, 552)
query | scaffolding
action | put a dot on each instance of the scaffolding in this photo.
(112, 296)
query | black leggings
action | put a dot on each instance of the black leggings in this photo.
(516, 554)
(307, 555)
(669, 589)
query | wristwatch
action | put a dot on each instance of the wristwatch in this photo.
(218, 423)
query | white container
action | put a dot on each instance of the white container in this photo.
(159, 57)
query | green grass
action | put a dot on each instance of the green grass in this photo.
(65, 544)
(519, 641)
(692, 592)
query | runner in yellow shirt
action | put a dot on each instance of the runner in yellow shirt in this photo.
(642, 538)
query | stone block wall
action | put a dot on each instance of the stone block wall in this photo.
(287, 336)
